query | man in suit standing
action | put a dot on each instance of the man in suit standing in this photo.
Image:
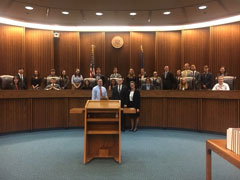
(196, 76)
(119, 92)
(206, 78)
(22, 79)
(168, 79)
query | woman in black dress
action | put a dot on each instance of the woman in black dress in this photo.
(133, 101)
(36, 80)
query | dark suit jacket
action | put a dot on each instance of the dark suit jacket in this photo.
(168, 82)
(136, 99)
(144, 87)
(120, 96)
(206, 80)
(22, 83)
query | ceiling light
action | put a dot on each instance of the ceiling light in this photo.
(166, 12)
(99, 13)
(29, 8)
(132, 14)
(65, 12)
(119, 28)
(202, 7)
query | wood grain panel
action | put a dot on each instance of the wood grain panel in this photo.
(117, 57)
(218, 115)
(76, 120)
(12, 50)
(196, 47)
(15, 115)
(182, 113)
(151, 112)
(49, 113)
(86, 40)
(225, 48)
(147, 40)
(168, 51)
(39, 52)
(67, 52)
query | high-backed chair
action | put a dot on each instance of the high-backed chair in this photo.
(230, 80)
(92, 81)
(48, 80)
(6, 81)
(190, 81)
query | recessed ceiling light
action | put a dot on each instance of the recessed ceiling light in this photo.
(132, 14)
(166, 12)
(99, 13)
(29, 8)
(202, 7)
(65, 12)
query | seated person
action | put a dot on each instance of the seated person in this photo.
(147, 85)
(53, 85)
(64, 80)
(222, 72)
(22, 78)
(76, 79)
(157, 81)
(115, 73)
(99, 92)
(113, 83)
(98, 75)
(86, 85)
(187, 72)
(183, 85)
(15, 84)
(36, 80)
(52, 75)
(221, 86)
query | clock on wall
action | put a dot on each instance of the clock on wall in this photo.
(117, 42)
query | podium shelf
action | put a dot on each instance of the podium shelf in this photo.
(102, 132)
(102, 120)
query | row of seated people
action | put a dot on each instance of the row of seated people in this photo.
(187, 79)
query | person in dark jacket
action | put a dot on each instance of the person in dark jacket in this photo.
(206, 78)
(133, 101)
(168, 79)
(22, 78)
(119, 92)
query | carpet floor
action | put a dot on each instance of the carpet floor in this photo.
(148, 154)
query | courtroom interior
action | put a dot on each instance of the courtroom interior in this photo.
(128, 89)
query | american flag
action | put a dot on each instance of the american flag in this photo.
(92, 66)
(142, 58)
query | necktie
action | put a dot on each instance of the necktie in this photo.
(100, 92)
(119, 89)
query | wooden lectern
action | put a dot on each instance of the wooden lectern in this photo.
(102, 132)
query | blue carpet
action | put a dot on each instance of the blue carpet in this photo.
(147, 154)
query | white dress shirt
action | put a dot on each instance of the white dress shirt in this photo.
(223, 87)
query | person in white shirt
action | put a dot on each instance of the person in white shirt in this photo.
(99, 92)
(221, 86)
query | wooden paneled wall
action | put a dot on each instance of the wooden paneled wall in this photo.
(193, 110)
(38, 49)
